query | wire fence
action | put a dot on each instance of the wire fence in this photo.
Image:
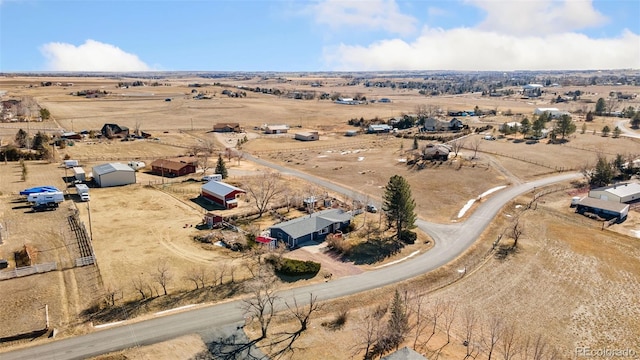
(28, 270)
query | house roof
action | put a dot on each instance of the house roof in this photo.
(224, 125)
(277, 127)
(404, 354)
(307, 133)
(603, 204)
(109, 168)
(621, 190)
(379, 127)
(174, 164)
(317, 221)
(220, 188)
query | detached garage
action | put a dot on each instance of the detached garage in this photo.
(307, 136)
(113, 174)
(603, 208)
(622, 193)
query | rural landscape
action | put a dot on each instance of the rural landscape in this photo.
(320, 215)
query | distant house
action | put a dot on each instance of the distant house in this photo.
(385, 100)
(113, 174)
(532, 90)
(553, 112)
(621, 193)
(174, 167)
(111, 131)
(227, 127)
(433, 124)
(276, 129)
(456, 124)
(347, 101)
(438, 152)
(313, 227)
(221, 193)
(379, 128)
(71, 135)
(307, 136)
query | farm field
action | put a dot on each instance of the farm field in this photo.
(139, 229)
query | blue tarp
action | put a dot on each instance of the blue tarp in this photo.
(39, 189)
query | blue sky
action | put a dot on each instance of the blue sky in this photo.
(323, 35)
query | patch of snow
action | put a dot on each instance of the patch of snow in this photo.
(492, 191)
(397, 261)
(219, 243)
(518, 206)
(109, 324)
(329, 151)
(356, 151)
(322, 156)
(508, 215)
(636, 233)
(345, 152)
(402, 160)
(360, 158)
(466, 207)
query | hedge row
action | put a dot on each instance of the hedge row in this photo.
(291, 267)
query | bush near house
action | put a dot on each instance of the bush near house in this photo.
(291, 267)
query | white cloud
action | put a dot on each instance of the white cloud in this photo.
(535, 17)
(471, 49)
(369, 15)
(90, 56)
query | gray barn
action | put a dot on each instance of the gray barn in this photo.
(113, 174)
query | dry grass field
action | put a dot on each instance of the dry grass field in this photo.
(568, 276)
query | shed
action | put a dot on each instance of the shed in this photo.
(212, 220)
(79, 174)
(404, 354)
(221, 193)
(276, 129)
(622, 193)
(113, 174)
(379, 128)
(603, 208)
(307, 136)
(351, 133)
(174, 167)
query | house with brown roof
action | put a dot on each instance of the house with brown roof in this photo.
(227, 127)
(174, 167)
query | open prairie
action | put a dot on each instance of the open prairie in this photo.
(567, 276)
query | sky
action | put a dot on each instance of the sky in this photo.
(318, 35)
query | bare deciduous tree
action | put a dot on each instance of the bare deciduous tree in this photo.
(260, 305)
(421, 316)
(263, 188)
(470, 322)
(111, 294)
(140, 285)
(493, 335)
(516, 232)
(457, 145)
(197, 275)
(369, 333)
(509, 343)
(163, 275)
(303, 315)
(475, 145)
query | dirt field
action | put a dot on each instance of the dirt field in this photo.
(137, 228)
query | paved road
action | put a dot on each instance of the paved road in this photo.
(622, 125)
(450, 241)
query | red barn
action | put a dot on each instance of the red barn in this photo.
(221, 193)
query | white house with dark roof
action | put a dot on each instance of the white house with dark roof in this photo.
(221, 193)
(313, 227)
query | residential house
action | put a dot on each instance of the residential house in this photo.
(313, 227)
(555, 113)
(404, 353)
(307, 136)
(111, 131)
(437, 152)
(212, 220)
(227, 127)
(221, 193)
(433, 124)
(456, 124)
(175, 167)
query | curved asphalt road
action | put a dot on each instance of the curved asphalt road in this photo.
(450, 241)
(621, 124)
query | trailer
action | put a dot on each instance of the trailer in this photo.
(45, 200)
(79, 173)
(136, 165)
(70, 163)
(39, 189)
(83, 191)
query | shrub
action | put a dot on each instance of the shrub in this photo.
(408, 237)
(291, 267)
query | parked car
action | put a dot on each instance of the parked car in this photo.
(372, 208)
(489, 137)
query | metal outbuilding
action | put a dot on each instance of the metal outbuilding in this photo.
(113, 174)
(622, 193)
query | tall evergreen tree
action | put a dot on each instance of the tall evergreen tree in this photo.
(537, 127)
(601, 107)
(398, 324)
(399, 205)
(565, 126)
(22, 138)
(221, 167)
(602, 174)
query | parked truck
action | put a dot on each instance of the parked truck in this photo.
(83, 191)
(45, 200)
